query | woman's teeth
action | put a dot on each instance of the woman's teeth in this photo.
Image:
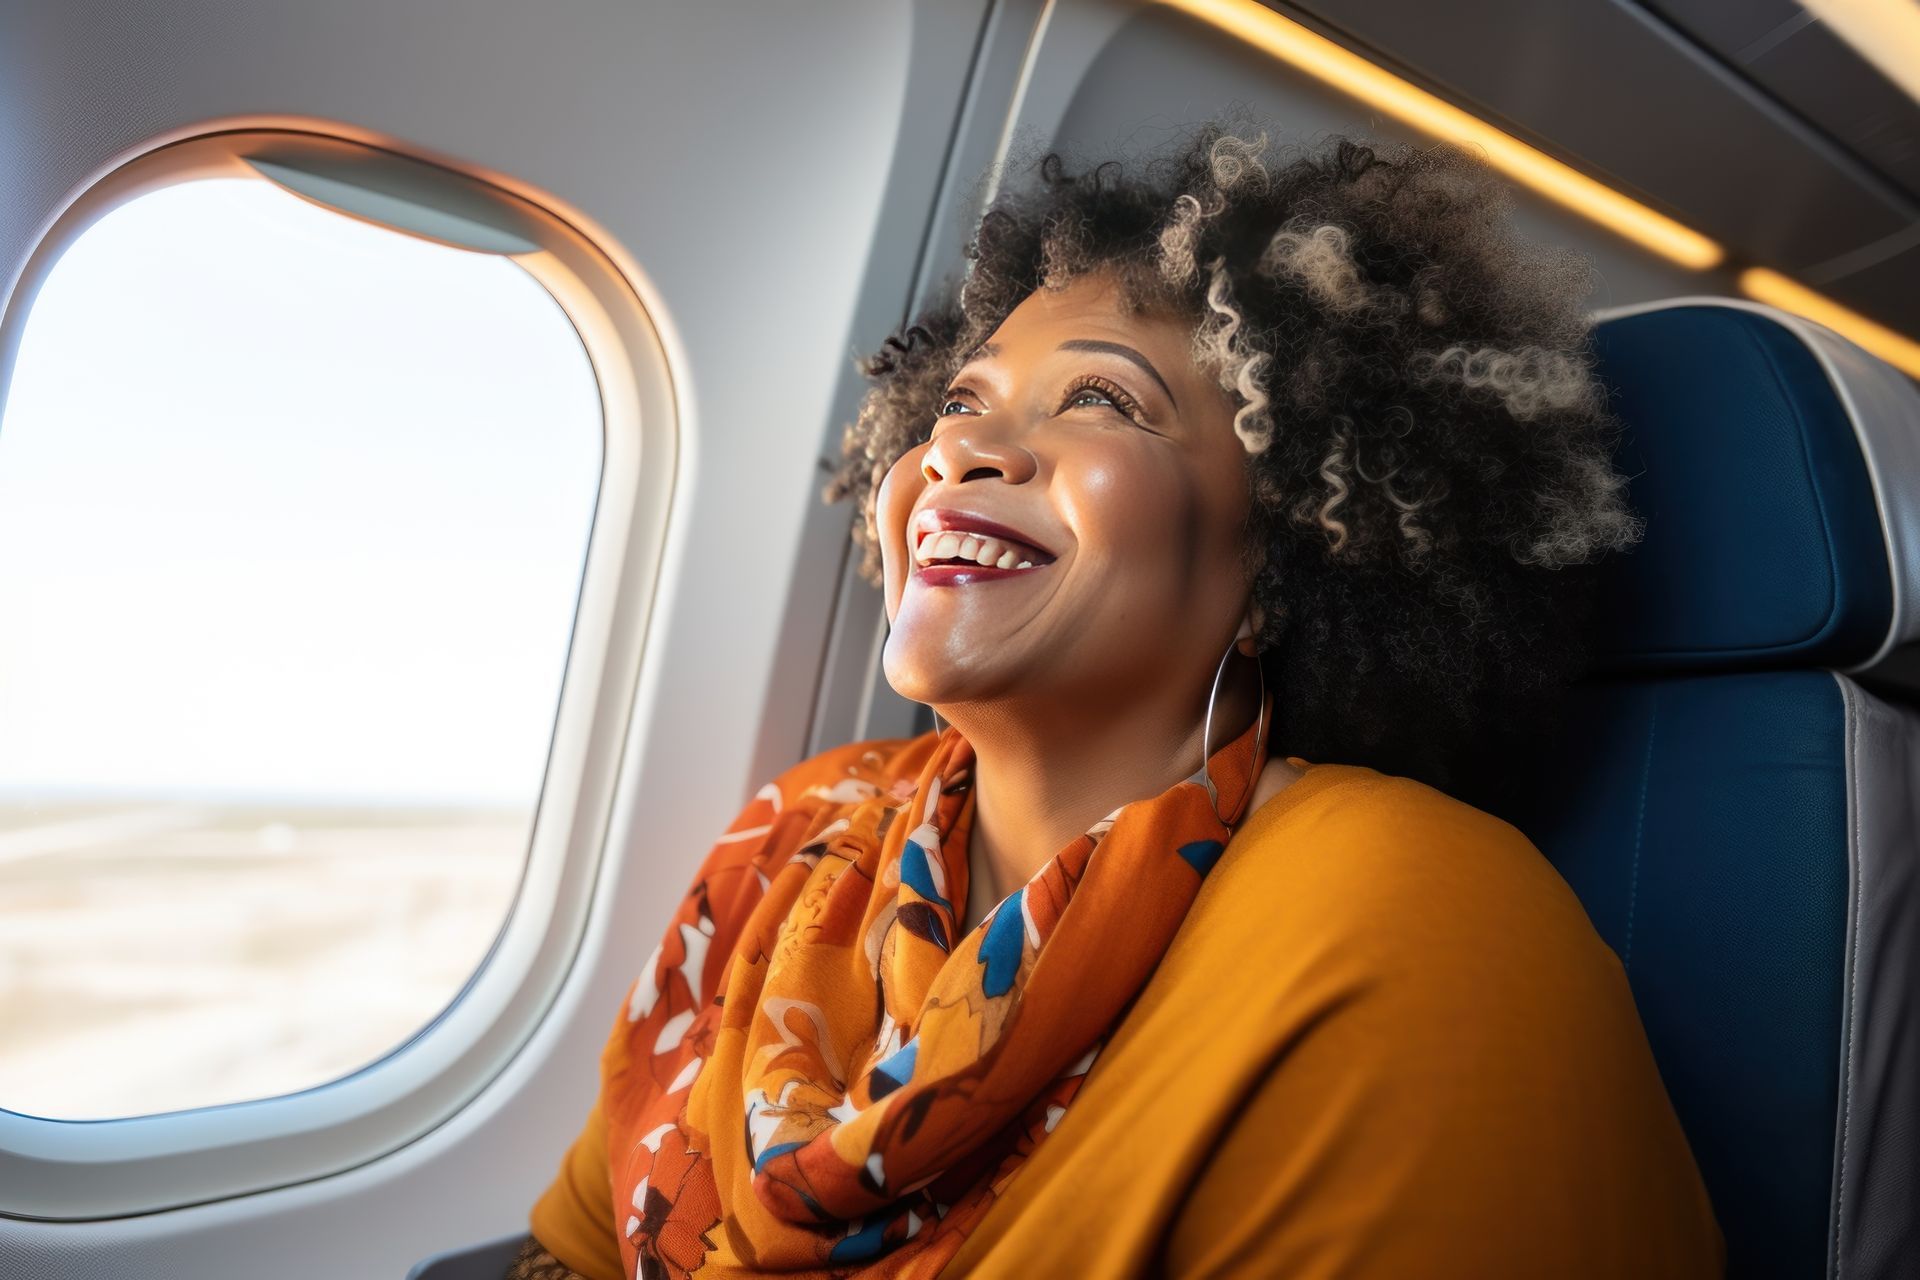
(945, 544)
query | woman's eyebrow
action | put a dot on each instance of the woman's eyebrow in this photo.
(1125, 352)
(984, 349)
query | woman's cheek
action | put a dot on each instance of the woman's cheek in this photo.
(1123, 505)
(893, 506)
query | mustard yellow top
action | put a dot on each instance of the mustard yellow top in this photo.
(1386, 1042)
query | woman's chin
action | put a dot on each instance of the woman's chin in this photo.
(945, 648)
(939, 682)
(919, 686)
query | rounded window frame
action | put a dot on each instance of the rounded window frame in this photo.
(66, 1170)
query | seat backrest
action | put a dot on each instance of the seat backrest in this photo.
(1735, 796)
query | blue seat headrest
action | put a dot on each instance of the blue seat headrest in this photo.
(1778, 467)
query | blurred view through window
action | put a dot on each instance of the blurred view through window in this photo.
(293, 512)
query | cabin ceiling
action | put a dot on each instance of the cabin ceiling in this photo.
(1750, 122)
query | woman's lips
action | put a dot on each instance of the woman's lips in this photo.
(938, 520)
(960, 575)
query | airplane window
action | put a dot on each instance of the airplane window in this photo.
(293, 513)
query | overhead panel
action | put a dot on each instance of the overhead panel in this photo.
(1742, 151)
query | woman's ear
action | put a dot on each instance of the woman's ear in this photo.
(1256, 618)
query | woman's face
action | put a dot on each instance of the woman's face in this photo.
(1079, 440)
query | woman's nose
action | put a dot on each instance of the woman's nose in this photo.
(977, 451)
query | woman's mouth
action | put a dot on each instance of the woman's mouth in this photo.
(956, 557)
(959, 575)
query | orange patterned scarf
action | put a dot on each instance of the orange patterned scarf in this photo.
(858, 1085)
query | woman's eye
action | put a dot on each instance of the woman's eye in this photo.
(1095, 394)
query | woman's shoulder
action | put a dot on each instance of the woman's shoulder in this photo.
(1363, 808)
(851, 773)
(790, 809)
(1413, 973)
(1388, 871)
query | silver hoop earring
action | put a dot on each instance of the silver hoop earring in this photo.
(939, 725)
(1206, 729)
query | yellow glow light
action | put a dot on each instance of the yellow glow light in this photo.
(1351, 74)
(1776, 290)
(1884, 32)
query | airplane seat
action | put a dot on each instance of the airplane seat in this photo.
(1735, 793)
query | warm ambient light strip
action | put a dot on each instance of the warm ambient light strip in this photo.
(1776, 290)
(1348, 72)
(1351, 74)
(1884, 32)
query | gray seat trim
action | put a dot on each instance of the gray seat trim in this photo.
(1873, 1230)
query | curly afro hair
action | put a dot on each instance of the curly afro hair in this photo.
(1429, 450)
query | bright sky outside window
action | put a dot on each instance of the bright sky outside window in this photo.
(293, 511)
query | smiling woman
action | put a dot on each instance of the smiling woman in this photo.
(1137, 513)
(1096, 981)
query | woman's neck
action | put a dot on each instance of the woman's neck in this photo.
(1043, 776)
